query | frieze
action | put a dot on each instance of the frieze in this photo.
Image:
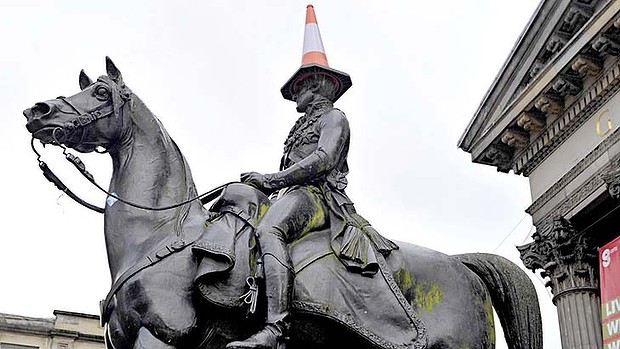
(588, 160)
(591, 185)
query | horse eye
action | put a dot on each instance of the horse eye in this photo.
(102, 93)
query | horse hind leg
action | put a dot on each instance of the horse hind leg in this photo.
(146, 340)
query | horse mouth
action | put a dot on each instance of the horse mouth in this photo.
(46, 134)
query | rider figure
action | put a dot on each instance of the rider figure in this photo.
(310, 189)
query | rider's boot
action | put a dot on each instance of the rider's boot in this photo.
(278, 289)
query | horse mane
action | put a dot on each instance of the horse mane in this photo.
(146, 120)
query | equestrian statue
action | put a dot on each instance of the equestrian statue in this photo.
(278, 260)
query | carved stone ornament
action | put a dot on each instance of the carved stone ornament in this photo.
(587, 65)
(565, 255)
(499, 155)
(515, 137)
(531, 121)
(605, 44)
(536, 69)
(549, 104)
(576, 17)
(567, 85)
(612, 180)
(556, 42)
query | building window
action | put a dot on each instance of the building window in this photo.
(16, 346)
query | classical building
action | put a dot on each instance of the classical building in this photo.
(552, 115)
(66, 331)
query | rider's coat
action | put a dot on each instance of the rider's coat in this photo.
(315, 154)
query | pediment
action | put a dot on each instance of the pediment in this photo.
(550, 30)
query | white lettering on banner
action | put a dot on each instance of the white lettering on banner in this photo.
(613, 345)
(606, 257)
(612, 307)
(613, 327)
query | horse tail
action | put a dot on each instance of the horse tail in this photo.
(513, 296)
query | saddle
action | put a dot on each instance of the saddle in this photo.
(372, 307)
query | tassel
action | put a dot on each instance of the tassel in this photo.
(354, 244)
(382, 244)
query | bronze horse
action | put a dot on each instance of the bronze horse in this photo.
(157, 306)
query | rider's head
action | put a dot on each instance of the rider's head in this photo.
(320, 84)
(313, 88)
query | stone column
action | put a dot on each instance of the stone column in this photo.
(570, 261)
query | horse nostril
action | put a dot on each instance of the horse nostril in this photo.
(41, 110)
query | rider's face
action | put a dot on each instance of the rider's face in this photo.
(303, 99)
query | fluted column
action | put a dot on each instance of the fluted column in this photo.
(570, 261)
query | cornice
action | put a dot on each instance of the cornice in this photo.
(568, 122)
(538, 117)
(545, 38)
(523, 48)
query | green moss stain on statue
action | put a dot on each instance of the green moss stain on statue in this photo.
(426, 295)
(262, 209)
(318, 216)
(403, 279)
(488, 311)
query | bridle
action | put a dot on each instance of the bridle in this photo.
(120, 102)
(62, 134)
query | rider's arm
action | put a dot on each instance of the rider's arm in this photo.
(334, 135)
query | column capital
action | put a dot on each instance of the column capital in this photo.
(565, 255)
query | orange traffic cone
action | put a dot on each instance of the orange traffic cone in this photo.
(314, 62)
(314, 52)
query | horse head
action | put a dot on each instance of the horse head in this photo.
(89, 120)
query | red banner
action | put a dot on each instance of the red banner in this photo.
(609, 262)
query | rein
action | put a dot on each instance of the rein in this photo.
(79, 165)
(83, 119)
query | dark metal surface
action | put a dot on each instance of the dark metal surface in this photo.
(158, 306)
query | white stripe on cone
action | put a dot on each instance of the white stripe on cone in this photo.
(312, 38)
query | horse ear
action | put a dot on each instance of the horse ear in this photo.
(85, 81)
(113, 71)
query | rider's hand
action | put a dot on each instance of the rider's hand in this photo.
(256, 179)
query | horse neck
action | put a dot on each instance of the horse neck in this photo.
(148, 169)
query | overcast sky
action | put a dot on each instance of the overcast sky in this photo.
(211, 71)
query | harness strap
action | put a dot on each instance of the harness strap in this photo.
(241, 214)
(84, 118)
(150, 259)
